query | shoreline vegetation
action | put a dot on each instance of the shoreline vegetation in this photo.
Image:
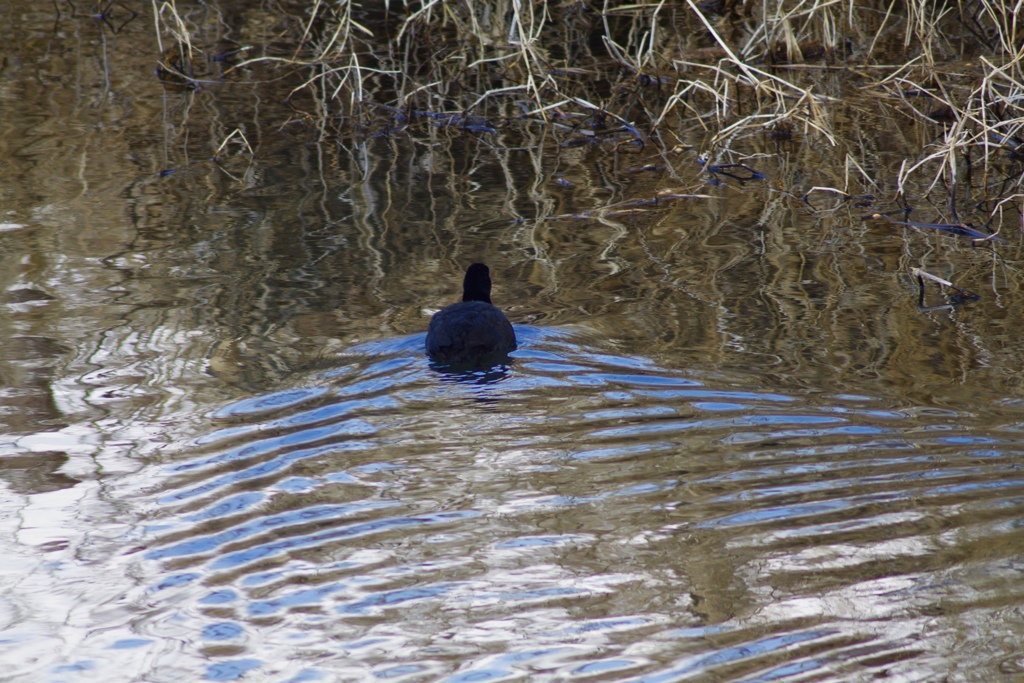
(645, 77)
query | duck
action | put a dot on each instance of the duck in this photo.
(473, 330)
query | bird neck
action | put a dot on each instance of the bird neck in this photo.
(476, 286)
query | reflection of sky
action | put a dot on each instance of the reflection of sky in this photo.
(575, 512)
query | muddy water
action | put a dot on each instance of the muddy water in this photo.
(732, 445)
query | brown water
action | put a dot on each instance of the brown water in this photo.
(732, 446)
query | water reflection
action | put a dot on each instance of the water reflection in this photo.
(473, 375)
(385, 520)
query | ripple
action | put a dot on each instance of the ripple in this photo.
(582, 516)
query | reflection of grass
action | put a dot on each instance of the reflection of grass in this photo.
(650, 73)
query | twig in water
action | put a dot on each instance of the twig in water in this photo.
(961, 296)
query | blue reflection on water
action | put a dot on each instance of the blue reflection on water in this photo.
(130, 643)
(733, 654)
(235, 559)
(230, 670)
(222, 631)
(206, 544)
(573, 509)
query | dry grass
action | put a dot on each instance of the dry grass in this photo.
(651, 73)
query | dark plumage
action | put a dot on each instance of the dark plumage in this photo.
(473, 329)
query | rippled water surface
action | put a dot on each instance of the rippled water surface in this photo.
(733, 444)
(582, 515)
(578, 515)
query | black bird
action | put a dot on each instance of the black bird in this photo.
(472, 330)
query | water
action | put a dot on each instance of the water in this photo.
(731, 446)
(577, 515)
